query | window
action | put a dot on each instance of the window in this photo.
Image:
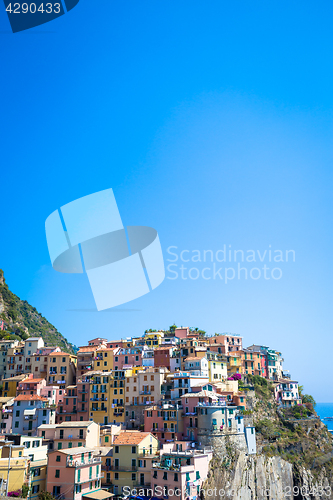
(58, 458)
(57, 473)
(16, 425)
(35, 488)
(59, 446)
(106, 439)
(36, 472)
(133, 477)
(133, 449)
(116, 449)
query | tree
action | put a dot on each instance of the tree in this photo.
(45, 495)
(307, 398)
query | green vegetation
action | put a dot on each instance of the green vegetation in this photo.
(23, 321)
(264, 388)
(25, 491)
(45, 495)
(289, 432)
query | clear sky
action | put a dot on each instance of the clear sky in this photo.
(212, 123)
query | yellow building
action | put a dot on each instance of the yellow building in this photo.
(61, 369)
(103, 360)
(234, 364)
(130, 449)
(106, 405)
(19, 466)
(153, 339)
(217, 370)
(9, 385)
(15, 360)
(37, 478)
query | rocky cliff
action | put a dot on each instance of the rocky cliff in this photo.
(293, 460)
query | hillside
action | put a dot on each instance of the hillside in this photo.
(22, 320)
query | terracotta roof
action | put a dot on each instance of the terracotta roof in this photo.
(30, 397)
(130, 437)
(88, 349)
(33, 380)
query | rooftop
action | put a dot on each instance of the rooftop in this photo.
(83, 423)
(76, 450)
(130, 437)
(30, 397)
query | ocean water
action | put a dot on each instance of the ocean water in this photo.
(325, 410)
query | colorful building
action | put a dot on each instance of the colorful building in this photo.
(31, 411)
(73, 474)
(61, 369)
(128, 448)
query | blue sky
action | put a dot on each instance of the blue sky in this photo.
(212, 122)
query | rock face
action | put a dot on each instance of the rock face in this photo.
(244, 477)
(251, 478)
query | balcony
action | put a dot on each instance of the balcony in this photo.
(79, 463)
(129, 468)
(139, 486)
(218, 404)
(164, 429)
(145, 392)
(25, 428)
(92, 478)
(148, 455)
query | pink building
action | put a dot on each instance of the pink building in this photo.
(67, 405)
(228, 341)
(31, 386)
(165, 422)
(74, 473)
(97, 342)
(52, 392)
(286, 392)
(182, 333)
(191, 401)
(131, 356)
(180, 473)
